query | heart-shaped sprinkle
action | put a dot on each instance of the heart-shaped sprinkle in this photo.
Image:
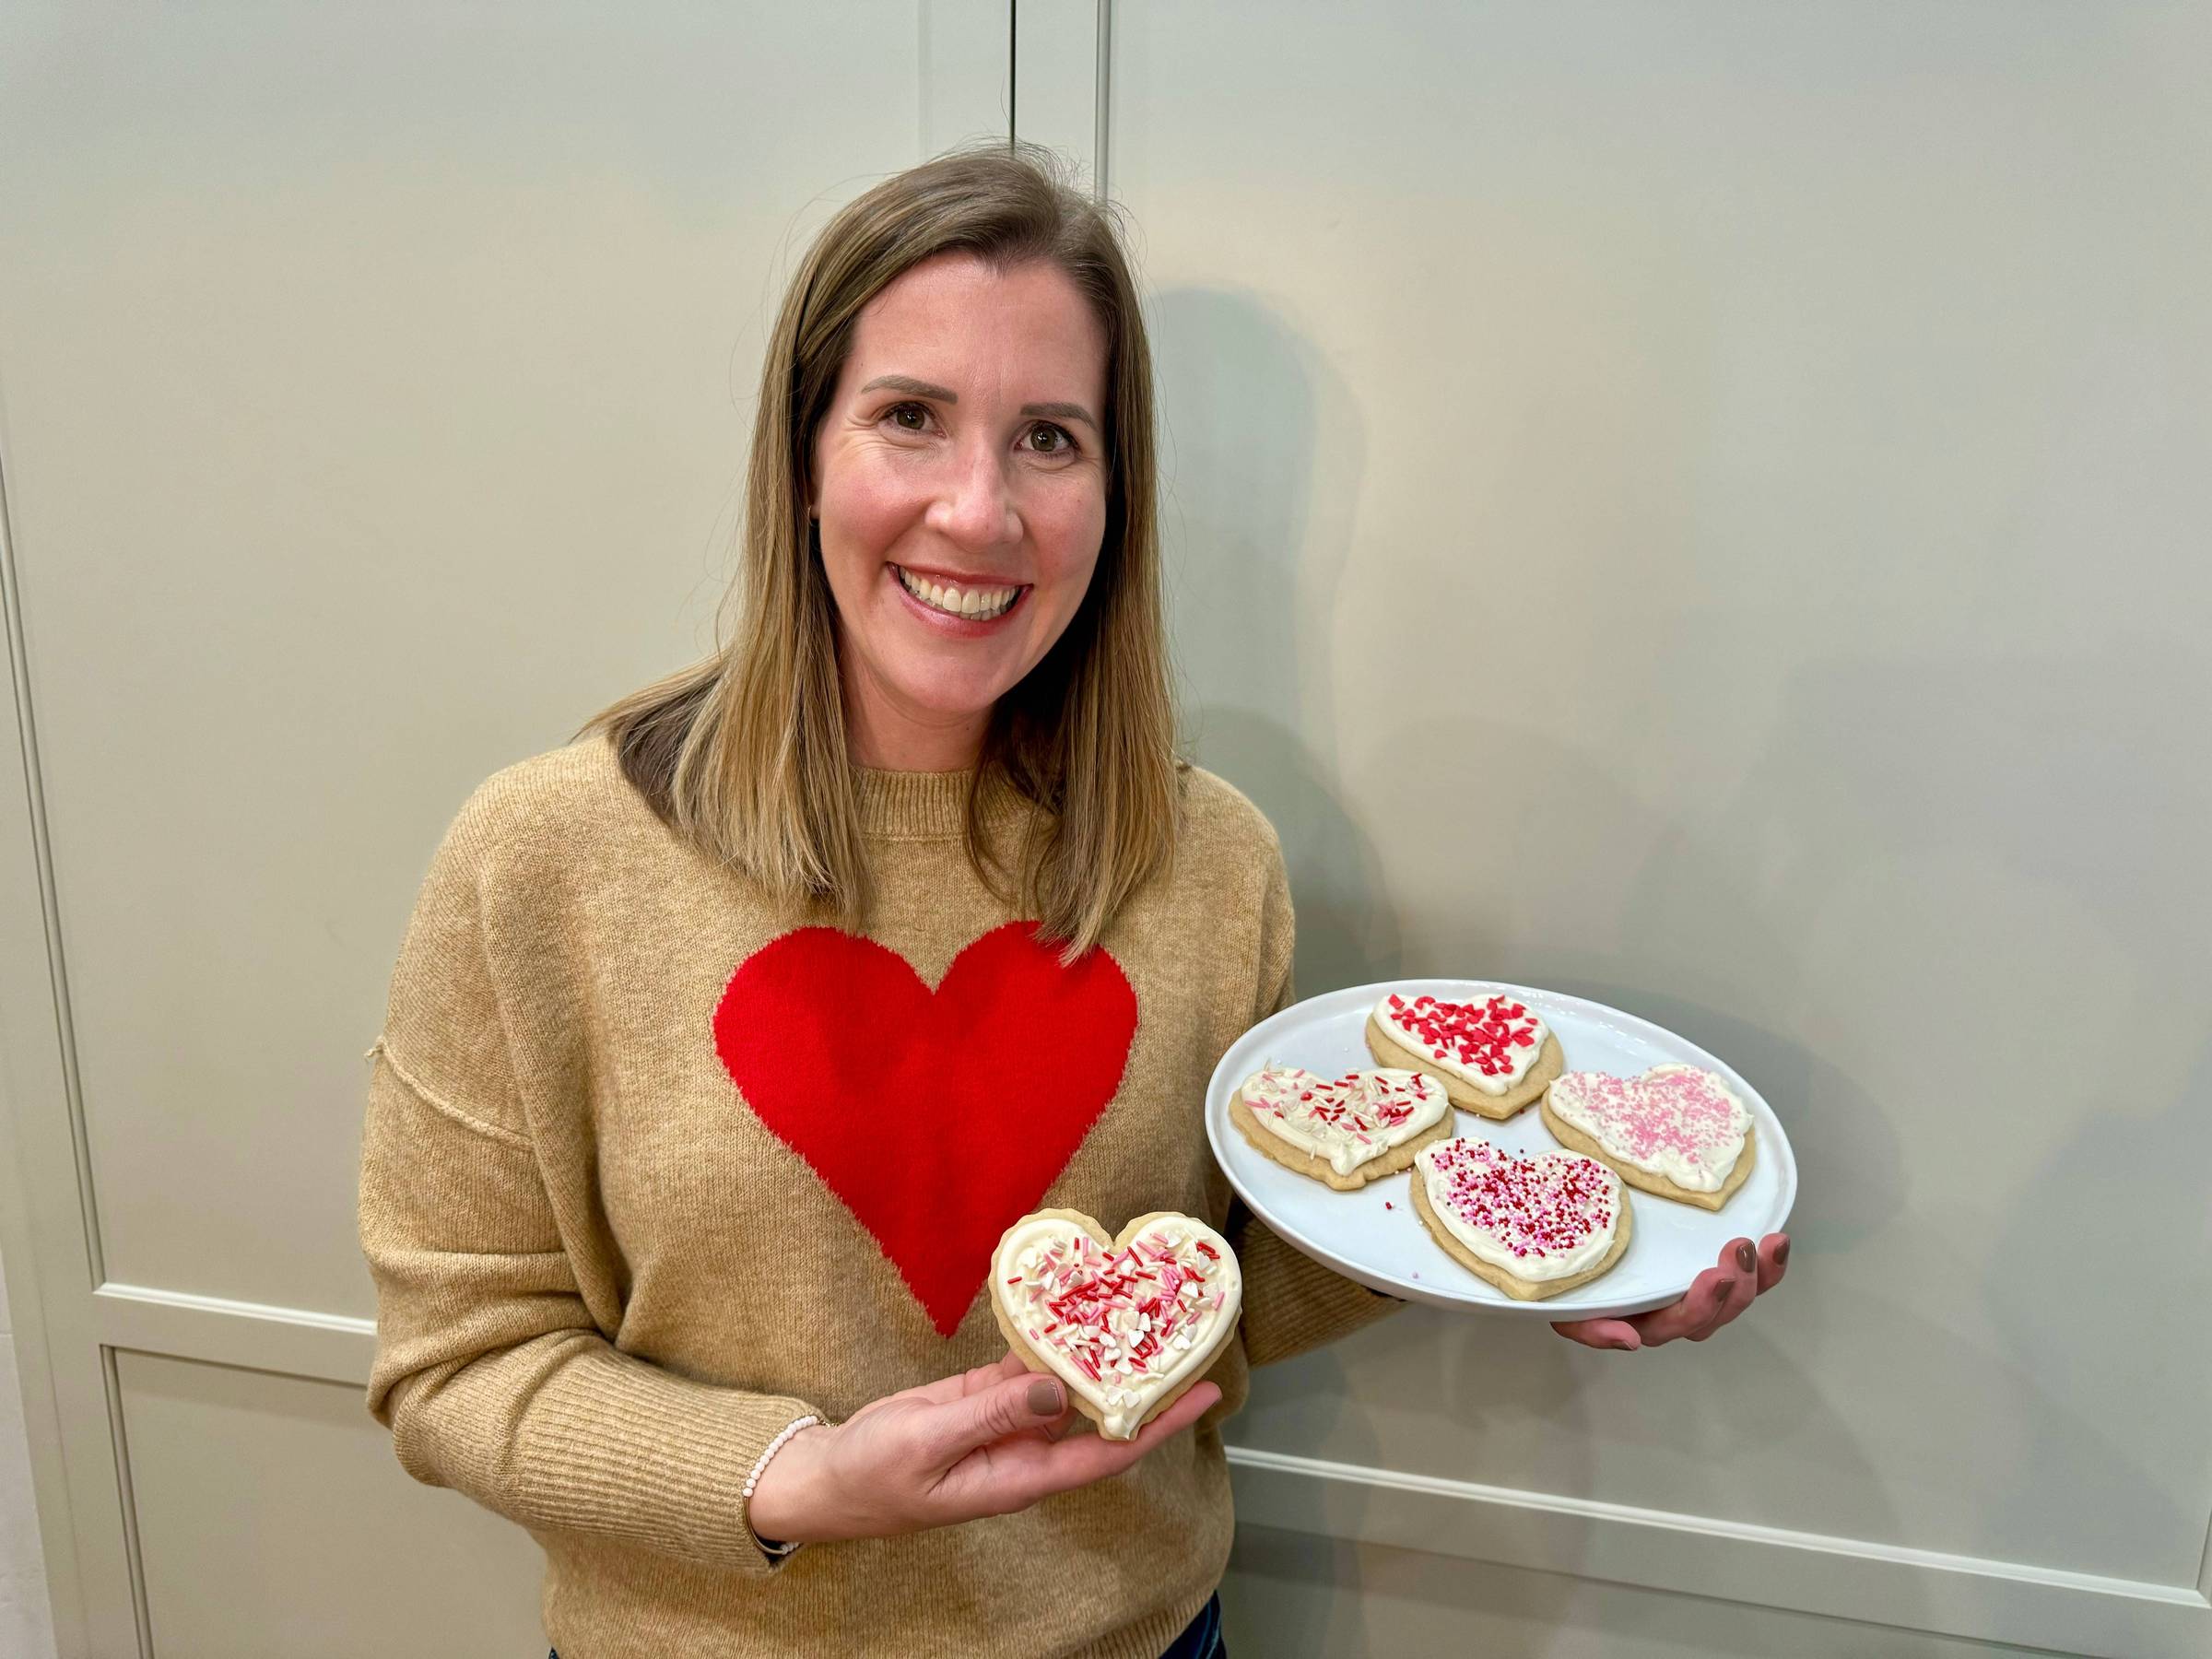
(1346, 1120)
(1491, 1043)
(1124, 1322)
(1675, 1121)
(1539, 1215)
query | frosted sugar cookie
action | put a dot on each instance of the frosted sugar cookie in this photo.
(1493, 1054)
(1127, 1323)
(1533, 1224)
(1346, 1131)
(1677, 1131)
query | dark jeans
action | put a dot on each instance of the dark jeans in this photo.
(1201, 1638)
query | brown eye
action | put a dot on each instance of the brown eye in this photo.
(1049, 439)
(909, 417)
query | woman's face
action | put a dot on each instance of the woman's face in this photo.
(960, 479)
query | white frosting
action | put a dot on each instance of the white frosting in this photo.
(1540, 1215)
(1485, 1030)
(1677, 1122)
(1347, 1121)
(1104, 1343)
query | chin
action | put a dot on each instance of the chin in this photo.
(950, 696)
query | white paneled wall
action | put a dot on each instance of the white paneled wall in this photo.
(375, 383)
(1702, 506)
(1698, 505)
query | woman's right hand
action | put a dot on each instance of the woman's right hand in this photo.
(987, 1442)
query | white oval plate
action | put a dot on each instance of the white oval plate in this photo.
(1373, 1236)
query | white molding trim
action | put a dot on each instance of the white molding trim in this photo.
(298, 1342)
(1855, 1579)
(45, 1194)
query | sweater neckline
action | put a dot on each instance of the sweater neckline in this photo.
(909, 805)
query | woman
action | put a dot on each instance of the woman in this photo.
(725, 1042)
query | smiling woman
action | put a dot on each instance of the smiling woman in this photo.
(729, 1042)
(950, 558)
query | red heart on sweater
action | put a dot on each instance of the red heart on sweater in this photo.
(940, 1117)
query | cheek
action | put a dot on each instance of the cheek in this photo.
(863, 509)
(1066, 531)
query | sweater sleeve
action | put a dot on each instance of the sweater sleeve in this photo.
(491, 1370)
(1291, 1303)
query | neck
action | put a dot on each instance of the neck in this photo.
(882, 733)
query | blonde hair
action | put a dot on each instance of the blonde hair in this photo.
(743, 752)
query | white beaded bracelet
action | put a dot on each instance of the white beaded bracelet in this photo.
(774, 1446)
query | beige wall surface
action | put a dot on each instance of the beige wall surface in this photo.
(1699, 506)
(1702, 506)
(374, 388)
(26, 1621)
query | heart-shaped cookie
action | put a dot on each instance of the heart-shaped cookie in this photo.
(1127, 1323)
(1494, 1054)
(1677, 1131)
(1533, 1224)
(1346, 1131)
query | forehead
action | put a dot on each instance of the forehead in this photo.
(1025, 331)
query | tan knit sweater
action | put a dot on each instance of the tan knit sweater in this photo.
(606, 1281)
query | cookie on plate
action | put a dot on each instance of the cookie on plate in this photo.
(1533, 1224)
(1346, 1131)
(1677, 1132)
(1494, 1055)
(1127, 1323)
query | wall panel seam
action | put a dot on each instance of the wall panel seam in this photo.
(1099, 99)
(11, 608)
(127, 1500)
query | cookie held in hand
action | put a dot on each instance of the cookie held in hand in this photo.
(1533, 1224)
(1346, 1131)
(1494, 1055)
(1677, 1131)
(1127, 1324)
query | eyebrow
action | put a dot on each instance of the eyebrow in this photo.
(910, 386)
(1059, 411)
(922, 388)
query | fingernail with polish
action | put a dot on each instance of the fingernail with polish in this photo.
(1782, 1254)
(1726, 1291)
(1747, 1259)
(1044, 1399)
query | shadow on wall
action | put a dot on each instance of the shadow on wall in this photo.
(1262, 453)
(1849, 879)
(1902, 822)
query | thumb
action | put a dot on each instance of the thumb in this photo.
(1025, 1402)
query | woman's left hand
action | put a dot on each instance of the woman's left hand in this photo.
(1716, 1295)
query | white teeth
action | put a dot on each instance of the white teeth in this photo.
(981, 603)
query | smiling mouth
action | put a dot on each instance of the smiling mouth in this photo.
(977, 603)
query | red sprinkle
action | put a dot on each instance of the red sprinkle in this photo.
(1480, 1035)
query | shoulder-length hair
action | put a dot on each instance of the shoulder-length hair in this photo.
(743, 752)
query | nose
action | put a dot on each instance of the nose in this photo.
(973, 507)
